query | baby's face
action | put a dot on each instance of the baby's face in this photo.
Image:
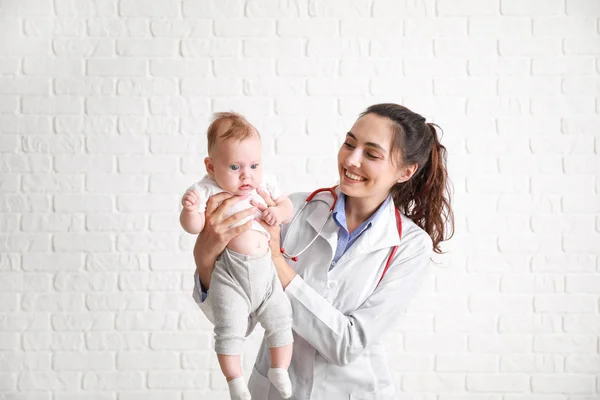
(236, 165)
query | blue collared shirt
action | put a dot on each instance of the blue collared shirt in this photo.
(345, 238)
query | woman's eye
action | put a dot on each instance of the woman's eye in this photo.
(234, 167)
(348, 145)
(254, 166)
(370, 155)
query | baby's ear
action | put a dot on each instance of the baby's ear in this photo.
(210, 169)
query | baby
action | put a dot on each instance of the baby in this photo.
(244, 280)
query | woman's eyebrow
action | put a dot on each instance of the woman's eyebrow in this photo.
(370, 144)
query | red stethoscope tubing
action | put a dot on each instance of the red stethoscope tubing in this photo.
(331, 190)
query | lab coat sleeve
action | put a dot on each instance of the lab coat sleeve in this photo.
(341, 338)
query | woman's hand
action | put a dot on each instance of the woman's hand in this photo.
(284, 271)
(217, 232)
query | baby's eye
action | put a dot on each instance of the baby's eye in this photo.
(254, 166)
(234, 167)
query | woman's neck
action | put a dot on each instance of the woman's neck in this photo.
(359, 210)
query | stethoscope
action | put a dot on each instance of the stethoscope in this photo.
(310, 198)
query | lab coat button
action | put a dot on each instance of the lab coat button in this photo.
(332, 285)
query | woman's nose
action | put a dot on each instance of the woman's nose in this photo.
(353, 159)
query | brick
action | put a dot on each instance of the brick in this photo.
(466, 363)
(115, 105)
(117, 301)
(25, 47)
(113, 380)
(82, 202)
(177, 28)
(432, 27)
(85, 282)
(529, 324)
(244, 105)
(176, 145)
(212, 87)
(146, 241)
(213, 8)
(114, 262)
(9, 66)
(500, 26)
(275, 9)
(468, 8)
(83, 322)
(49, 381)
(244, 67)
(425, 343)
(385, 8)
(561, 263)
(477, 47)
(562, 66)
(153, 281)
(28, 7)
(149, 8)
(19, 242)
(180, 68)
(563, 27)
(9, 223)
(49, 183)
(583, 8)
(555, 144)
(565, 303)
(86, 8)
(583, 284)
(384, 48)
(83, 163)
(374, 67)
(147, 164)
(180, 106)
(84, 87)
(164, 223)
(574, 184)
(116, 145)
(62, 27)
(499, 343)
(116, 341)
(581, 243)
(75, 361)
(147, 87)
(501, 303)
(333, 47)
(120, 67)
(115, 223)
(582, 364)
(155, 47)
(112, 183)
(52, 68)
(572, 384)
(87, 48)
(243, 27)
(179, 341)
(216, 47)
(308, 27)
(581, 46)
(529, 47)
(51, 145)
(580, 86)
(304, 67)
(25, 86)
(9, 144)
(112, 27)
(338, 8)
(433, 382)
(532, 284)
(532, 7)
(565, 224)
(142, 361)
(25, 124)
(277, 48)
(497, 383)
(531, 364)
(464, 323)
(69, 242)
(54, 222)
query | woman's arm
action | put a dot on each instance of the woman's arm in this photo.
(217, 233)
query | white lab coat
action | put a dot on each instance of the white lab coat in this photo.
(341, 314)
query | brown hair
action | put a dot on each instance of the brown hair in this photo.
(228, 125)
(425, 197)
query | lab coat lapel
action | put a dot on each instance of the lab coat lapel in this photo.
(382, 234)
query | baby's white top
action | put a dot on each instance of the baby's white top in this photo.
(207, 187)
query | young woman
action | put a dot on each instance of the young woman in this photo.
(357, 277)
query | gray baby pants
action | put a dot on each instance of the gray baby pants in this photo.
(244, 285)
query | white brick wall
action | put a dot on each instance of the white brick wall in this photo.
(103, 109)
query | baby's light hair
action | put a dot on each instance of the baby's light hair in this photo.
(228, 125)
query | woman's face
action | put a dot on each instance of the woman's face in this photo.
(365, 160)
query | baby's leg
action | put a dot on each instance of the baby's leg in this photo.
(231, 307)
(275, 315)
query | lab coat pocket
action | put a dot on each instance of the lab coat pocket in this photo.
(387, 393)
(258, 385)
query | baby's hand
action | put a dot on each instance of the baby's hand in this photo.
(272, 216)
(190, 201)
